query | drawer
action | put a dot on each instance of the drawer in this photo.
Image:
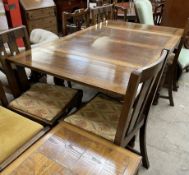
(43, 22)
(40, 13)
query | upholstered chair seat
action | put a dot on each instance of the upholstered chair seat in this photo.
(15, 131)
(100, 117)
(39, 36)
(44, 101)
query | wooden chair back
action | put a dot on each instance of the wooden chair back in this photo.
(9, 47)
(138, 99)
(102, 13)
(3, 98)
(102, 2)
(158, 13)
(182, 42)
(79, 18)
(117, 9)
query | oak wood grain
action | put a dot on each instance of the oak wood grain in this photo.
(102, 56)
(69, 150)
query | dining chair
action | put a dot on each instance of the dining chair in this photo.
(119, 122)
(117, 9)
(158, 12)
(180, 57)
(75, 21)
(147, 13)
(41, 101)
(144, 11)
(101, 13)
(17, 133)
(102, 2)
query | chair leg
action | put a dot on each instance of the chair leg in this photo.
(175, 75)
(69, 84)
(170, 89)
(132, 142)
(143, 148)
(35, 76)
(58, 81)
(156, 98)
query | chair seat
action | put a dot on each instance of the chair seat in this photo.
(39, 36)
(100, 116)
(15, 131)
(44, 101)
(184, 58)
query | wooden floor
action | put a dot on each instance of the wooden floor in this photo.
(67, 150)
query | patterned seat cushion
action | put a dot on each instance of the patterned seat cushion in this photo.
(43, 100)
(100, 116)
(15, 131)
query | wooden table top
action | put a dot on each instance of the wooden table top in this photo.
(102, 56)
(68, 150)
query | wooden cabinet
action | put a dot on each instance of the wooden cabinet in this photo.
(69, 6)
(176, 13)
(39, 14)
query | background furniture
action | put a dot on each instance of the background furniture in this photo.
(12, 9)
(39, 14)
(126, 11)
(101, 13)
(181, 56)
(3, 19)
(79, 57)
(77, 152)
(144, 12)
(68, 6)
(72, 22)
(175, 13)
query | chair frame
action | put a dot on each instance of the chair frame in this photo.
(79, 16)
(102, 13)
(158, 13)
(24, 147)
(171, 74)
(130, 123)
(135, 111)
(17, 77)
(117, 8)
(102, 2)
(10, 37)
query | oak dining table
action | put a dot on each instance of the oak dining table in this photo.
(101, 56)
